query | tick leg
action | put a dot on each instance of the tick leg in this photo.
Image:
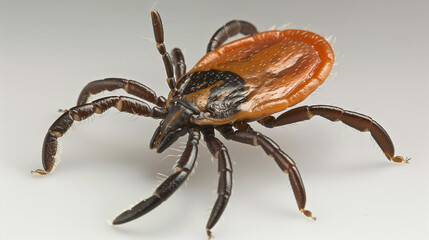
(179, 62)
(355, 120)
(245, 134)
(183, 168)
(79, 113)
(159, 37)
(130, 86)
(228, 30)
(220, 152)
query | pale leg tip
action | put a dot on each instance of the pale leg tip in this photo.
(110, 222)
(400, 159)
(209, 233)
(39, 172)
(308, 213)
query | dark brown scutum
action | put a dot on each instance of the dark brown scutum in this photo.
(183, 168)
(228, 30)
(219, 151)
(245, 134)
(130, 86)
(225, 90)
(79, 113)
(355, 120)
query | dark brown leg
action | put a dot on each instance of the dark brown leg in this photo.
(79, 113)
(179, 62)
(183, 168)
(220, 152)
(245, 134)
(228, 30)
(130, 86)
(159, 37)
(355, 120)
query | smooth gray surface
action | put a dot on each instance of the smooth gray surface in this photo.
(49, 50)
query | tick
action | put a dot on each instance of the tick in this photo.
(246, 80)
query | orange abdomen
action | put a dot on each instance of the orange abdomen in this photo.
(279, 70)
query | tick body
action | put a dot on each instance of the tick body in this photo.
(234, 84)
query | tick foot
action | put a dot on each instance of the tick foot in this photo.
(39, 172)
(209, 233)
(307, 213)
(400, 159)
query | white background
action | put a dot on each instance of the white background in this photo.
(49, 50)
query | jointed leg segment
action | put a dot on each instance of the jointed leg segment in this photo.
(159, 38)
(228, 30)
(132, 87)
(220, 152)
(245, 134)
(79, 113)
(183, 168)
(355, 120)
(179, 62)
